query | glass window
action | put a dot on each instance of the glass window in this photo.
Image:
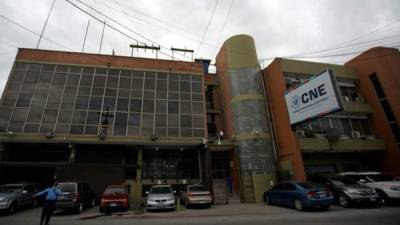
(149, 94)
(149, 84)
(62, 129)
(17, 75)
(111, 92)
(161, 120)
(45, 77)
(35, 113)
(73, 79)
(186, 121)
(136, 93)
(13, 86)
(16, 127)
(119, 131)
(184, 86)
(59, 78)
(197, 97)
(35, 66)
(86, 80)
(125, 82)
(162, 85)
(95, 103)
(9, 99)
(137, 73)
(79, 117)
(161, 131)
(173, 107)
(113, 72)
(197, 107)
(136, 105)
(173, 86)
(46, 128)
(121, 119)
(150, 74)
(112, 82)
(124, 93)
(161, 106)
(21, 65)
(70, 90)
(102, 71)
(126, 73)
(196, 87)
(50, 116)
(91, 130)
(65, 116)
(186, 132)
(173, 76)
(93, 117)
(185, 107)
(99, 81)
(24, 100)
(173, 132)
(88, 70)
(198, 122)
(31, 76)
(161, 75)
(185, 77)
(196, 78)
(161, 95)
(5, 114)
(61, 68)
(185, 96)
(173, 120)
(146, 131)
(75, 69)
(68, 102)
(133, 131)
(148, 120)
(137, 83)
(48, 68)
(82, 102)
(98, 91)
(31, 128)
(19, 115)
(84, 91)
(123, 104)
(76, 129)
(28, 87)
(198, 133)
(134, 119)
(148, 105)
(109, 103)
(346, 127)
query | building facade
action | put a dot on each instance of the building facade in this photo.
(107, 119)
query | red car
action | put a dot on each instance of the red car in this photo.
(115, 197)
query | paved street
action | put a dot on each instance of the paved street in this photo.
(222, 214)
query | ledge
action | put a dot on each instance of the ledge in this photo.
(357, 107)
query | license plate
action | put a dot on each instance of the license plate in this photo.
(113, 204)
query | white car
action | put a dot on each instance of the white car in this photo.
(160, 197)
(385, 185)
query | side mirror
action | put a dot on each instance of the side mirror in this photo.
(24, 192)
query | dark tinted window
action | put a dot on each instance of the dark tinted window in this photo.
(308, 185)
(160, 190)
(112, 190)
(290, 187)
(341, 180)
(198, 188)
(67, 187)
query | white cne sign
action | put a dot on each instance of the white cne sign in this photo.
(317, 97)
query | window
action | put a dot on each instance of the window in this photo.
(95, 103)
(50, 116)
(112, 82)
(121, 119)
(148, 106)
(93, 117)
(99, 81)
(24, 100)
(185, 86)
(65, 116)
(173, 107)
(31, 76)
(17, 75)
(5, 114)
(79, 117)
(82, 102)
(86, 80)
(136, 105)
(134, 119)
(73, 79)
(59, 78)
(149, 84)
(19, 115)
(45, 77)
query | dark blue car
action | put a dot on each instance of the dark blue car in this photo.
(299, 195)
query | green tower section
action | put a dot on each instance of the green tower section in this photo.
(249, 118)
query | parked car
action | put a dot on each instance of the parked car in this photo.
(160, 197)
(115, 197)
(300, 195)
(75, 196)
(387, 187)
(347, 191)
(14, 196)
(196, 194)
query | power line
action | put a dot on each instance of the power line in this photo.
(113, 20)
(45, 23)
(208, 25)
(223, 27)
(33, 32)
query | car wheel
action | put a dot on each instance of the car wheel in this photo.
(298, 205)
(383, 196)
(344, 201)
(79, 209)
(267, 200)
(12, 208)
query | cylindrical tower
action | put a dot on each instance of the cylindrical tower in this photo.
(245, 115)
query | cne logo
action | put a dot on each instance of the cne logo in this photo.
(295, 102)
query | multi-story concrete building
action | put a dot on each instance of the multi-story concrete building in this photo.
(108, 119)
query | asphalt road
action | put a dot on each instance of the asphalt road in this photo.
(218, 215)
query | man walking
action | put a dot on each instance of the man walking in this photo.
(50, 202)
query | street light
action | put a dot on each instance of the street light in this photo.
(221, 134)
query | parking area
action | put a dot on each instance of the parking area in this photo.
(234, 212)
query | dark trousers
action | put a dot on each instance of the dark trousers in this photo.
(48, 209)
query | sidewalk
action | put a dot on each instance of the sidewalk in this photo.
(215, 210)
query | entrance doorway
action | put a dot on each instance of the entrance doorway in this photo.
(220, 162)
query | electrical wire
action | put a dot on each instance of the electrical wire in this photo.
(33, 32)
(222, 29)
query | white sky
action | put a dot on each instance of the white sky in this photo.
(281, 28)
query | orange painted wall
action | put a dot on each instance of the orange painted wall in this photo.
(385, 62)
(108, 60)
(287, 144)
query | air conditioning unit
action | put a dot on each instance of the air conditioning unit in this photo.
(355, 134)
(300, 133)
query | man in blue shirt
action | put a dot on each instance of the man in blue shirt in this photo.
(50, 202)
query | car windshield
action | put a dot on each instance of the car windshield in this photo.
(198, 188)
(67, 187)
(308, 185)
(112, 190)
(160, 190)
(10, 188)
(337, 180)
